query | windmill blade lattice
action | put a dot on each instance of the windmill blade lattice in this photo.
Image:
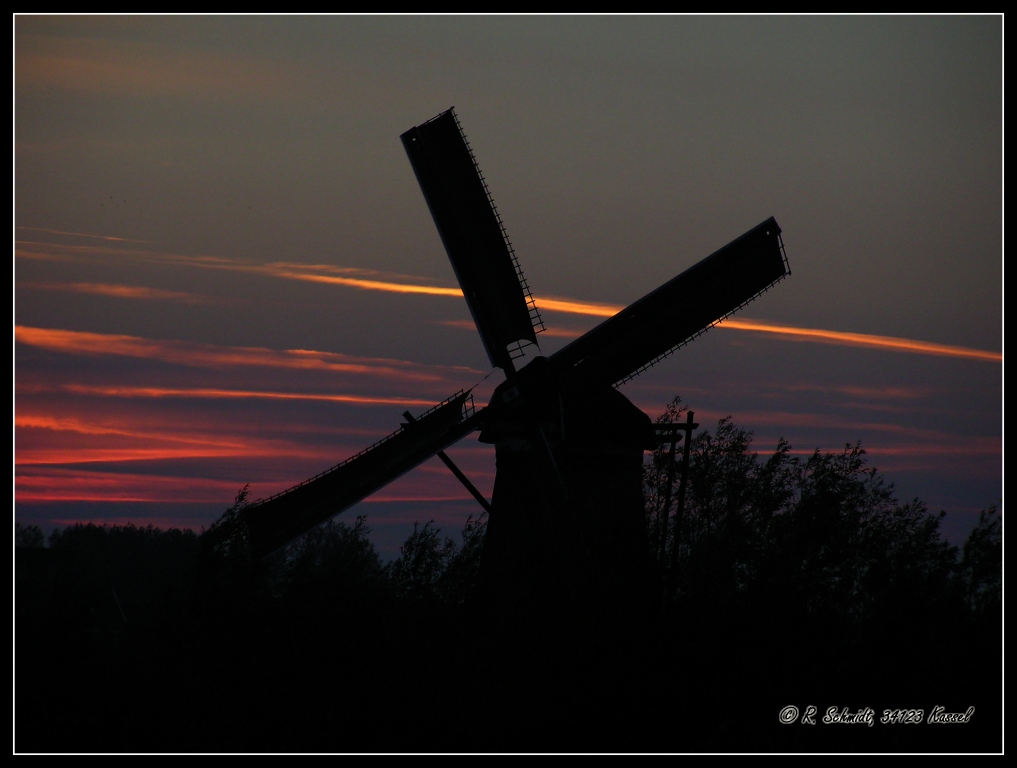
(471, 230)
(680, 310)
(273, 522)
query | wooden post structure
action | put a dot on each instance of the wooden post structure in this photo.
(665, 510)
(669, 433)
(458, 473)
(679, 512)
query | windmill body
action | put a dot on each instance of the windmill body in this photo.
(567, 502)
(568, 522)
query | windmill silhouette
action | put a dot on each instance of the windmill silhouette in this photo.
(568, 445)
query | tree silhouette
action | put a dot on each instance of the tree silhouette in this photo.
(982, 564)
(227, 537)
(333, 554)
(825, 533)
(28, 536)
(807, 576)
(436, 568)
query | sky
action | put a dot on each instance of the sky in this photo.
(225, 272)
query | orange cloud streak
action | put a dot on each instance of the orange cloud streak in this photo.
(85, 234)
(53, 485)
(301, 272)
(153, 447)
(96, 455)
(573, 307)
(597, 309)
(208, 355)
(862, 340)
(150, 434)
(115, 442)
(121, 291)
(239, 393)
(346, 276)
(67, 424)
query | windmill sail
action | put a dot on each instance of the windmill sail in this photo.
(678, 311)
(273, 522)
(473, 235)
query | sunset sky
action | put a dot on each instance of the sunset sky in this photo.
(225, 272)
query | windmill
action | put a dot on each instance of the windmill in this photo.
(568, 445)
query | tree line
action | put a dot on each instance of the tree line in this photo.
(782, 580)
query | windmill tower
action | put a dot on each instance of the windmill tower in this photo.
(567, 500)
